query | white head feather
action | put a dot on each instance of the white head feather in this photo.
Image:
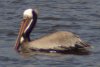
(28, 13)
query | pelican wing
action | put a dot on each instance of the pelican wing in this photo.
(58, 41)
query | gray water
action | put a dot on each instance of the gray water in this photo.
(79, 16)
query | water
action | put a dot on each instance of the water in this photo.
(79, 16)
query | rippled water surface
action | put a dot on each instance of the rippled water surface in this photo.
(79, 16)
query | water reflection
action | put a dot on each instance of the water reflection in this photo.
(47, 53)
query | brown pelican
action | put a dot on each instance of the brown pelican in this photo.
(60, 42)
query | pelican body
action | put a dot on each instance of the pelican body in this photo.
(61, 41)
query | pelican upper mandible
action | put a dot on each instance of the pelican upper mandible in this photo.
(61, 41)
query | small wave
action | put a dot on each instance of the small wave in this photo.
(3, 58)
(15, 60)
(95, 27)
(63, 19)
(95, 15)
(67, 26)
(11, 34)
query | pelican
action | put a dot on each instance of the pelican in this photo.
(59, 42)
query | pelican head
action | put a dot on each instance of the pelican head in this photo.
(28, 13)
(27, 24)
